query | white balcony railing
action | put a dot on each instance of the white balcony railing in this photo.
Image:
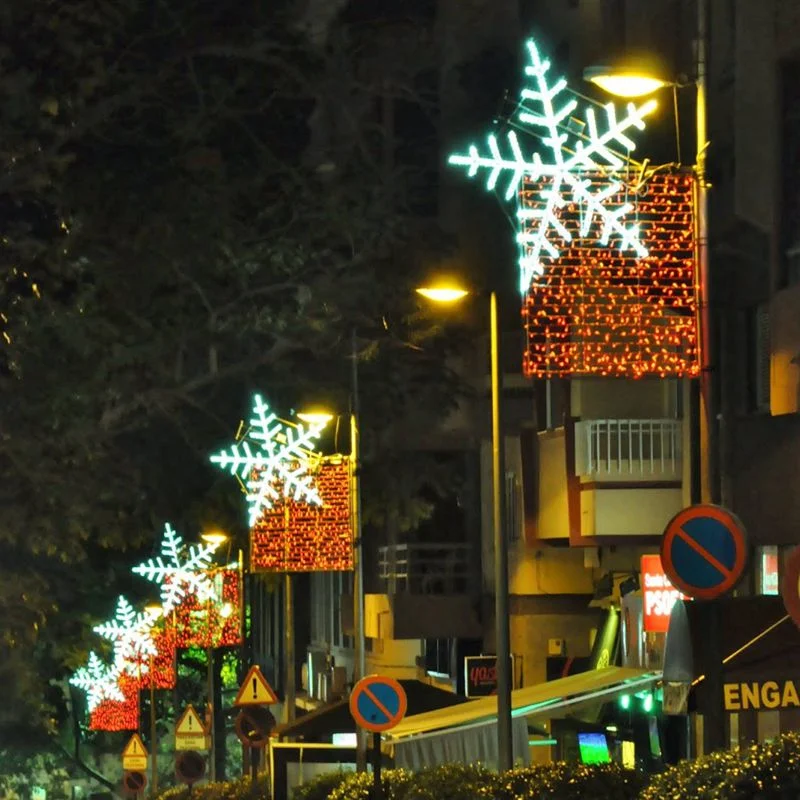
(425, 568)
(634, 447)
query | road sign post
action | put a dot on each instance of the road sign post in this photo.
(133, 783)
(134, 756)
(254, 722)
(704, 552)
(377, 704)
(190, 732)
(189, 767)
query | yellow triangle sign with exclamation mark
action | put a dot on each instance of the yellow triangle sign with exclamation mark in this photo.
(255, 691)
(190, 723)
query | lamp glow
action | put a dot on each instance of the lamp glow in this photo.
(315, 417)
(442, 294)
(215, 538)
(624, 83)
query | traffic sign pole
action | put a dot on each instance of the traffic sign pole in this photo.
(377, 783)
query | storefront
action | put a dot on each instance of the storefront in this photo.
(760, 668)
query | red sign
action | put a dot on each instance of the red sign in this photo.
(658, 595)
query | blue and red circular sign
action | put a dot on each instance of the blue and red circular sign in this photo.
(378, 703)
(704, 551)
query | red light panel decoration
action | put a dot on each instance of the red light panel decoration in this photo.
(163, 674)
(301, 537)
(113, 715)
(212, 623)
(598, 311)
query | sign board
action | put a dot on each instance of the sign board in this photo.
(761, 695)
(253, 726)
(480, 675)
(790, 585)
(190, 733)
(189, 767)
(133, 783)
(704, 551)
(134, 756)
(255, 691)
(378, 703)
(658, 595)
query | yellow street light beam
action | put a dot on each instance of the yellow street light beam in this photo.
(625, 82)
(317, 417)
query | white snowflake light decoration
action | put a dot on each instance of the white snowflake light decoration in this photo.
(566, 168)
(179, 575)
(272, 460)
(131, 632)
(99, 681)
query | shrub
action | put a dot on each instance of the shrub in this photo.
(570, 782)
(241, 789)
(452, 782)
(358, 786)
(320, 788)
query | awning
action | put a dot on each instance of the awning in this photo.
(548, 700)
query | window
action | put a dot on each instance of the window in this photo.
(767, 565)
(439, 656)
(327, 589)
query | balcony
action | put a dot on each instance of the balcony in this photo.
(623, 450)
(427, 591)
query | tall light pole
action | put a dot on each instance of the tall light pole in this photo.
(359, 641)
(505, 754)
(628, 83)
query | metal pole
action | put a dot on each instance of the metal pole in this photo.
(288, 605)
(714, 718)
(377, 783)
(502, 630)
(359, 667)
(153, 741)
(210, 693)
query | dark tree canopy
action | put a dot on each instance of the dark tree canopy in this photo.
(183, 221)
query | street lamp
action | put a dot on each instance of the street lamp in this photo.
(645, 83)
(153, 610)
(215, 538)
(452, 293)
(323, 417)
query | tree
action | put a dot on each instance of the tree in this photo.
(184, 249)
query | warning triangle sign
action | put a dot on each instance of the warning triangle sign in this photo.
(255, 691)
(135, 747)
(190, 723)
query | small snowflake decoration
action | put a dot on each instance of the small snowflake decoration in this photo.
(99, 681)
(131, 633)
(272, 460)
(179, 570)
(566, 168)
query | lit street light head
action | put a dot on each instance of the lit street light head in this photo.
(443, 293)
(625, 82)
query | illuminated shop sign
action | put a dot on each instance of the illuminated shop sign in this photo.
(658, 595)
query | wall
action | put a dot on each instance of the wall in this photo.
(628, 512)
(553, 518)
(548, 571)
(593, 398)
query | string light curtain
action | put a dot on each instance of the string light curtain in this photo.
(215, 621)
(300, 537)
(596, 310)
(115, 715)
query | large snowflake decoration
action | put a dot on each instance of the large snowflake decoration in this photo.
(179, 570)
(273, 460)
(131, 633)
(566, 169)
(99, 681)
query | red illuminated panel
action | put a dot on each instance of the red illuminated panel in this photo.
(112, 715)
(599, 311)
(658, 595)
(163, 664)
(213, 623)
(299, 537)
